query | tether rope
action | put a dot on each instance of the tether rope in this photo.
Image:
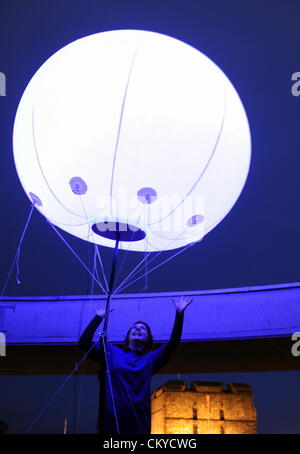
(17, 255)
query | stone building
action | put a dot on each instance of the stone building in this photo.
(205, 408)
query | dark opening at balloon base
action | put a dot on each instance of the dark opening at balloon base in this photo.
(118, 231)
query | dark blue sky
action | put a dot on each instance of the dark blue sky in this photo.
(257, 45)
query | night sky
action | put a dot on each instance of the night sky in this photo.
(257, 45)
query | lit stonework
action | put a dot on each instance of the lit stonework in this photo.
(205, 408)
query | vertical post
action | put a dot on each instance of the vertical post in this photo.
(104, 366)
(111, 282)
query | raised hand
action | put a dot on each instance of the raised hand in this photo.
(183, 303)
(101, 312)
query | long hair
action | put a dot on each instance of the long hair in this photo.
(149, 341)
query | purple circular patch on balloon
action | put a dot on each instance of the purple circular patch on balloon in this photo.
(195, 220)
(78, 185)
(35, 199)
(147, 195)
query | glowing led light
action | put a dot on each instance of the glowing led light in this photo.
(133, 128)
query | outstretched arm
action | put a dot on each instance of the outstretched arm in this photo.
(86, 339)
(162, 355)
(180, 306)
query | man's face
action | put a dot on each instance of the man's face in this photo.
(138, 332)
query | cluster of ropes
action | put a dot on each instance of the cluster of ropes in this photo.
(98, 277)
(140, 271)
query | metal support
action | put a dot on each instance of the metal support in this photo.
(103, 335)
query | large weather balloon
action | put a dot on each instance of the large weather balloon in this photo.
(132, 129)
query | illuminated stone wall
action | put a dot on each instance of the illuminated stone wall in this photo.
(205, 408)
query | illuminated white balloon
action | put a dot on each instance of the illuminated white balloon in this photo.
(132, 127)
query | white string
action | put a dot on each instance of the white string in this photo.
(127, 249)
(58, 391)
(157, 266)
(78, 258)
(17, 255)
(145, 252)
(110, 385)
(102, 267)
(130, 274)
(155, 256)
(79, 379)
(90, 232)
